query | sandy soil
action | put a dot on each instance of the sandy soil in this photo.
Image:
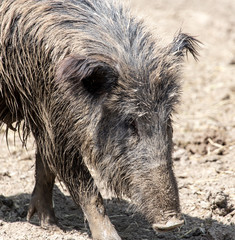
(204, 135)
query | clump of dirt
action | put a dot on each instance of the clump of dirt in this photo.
(220, 203)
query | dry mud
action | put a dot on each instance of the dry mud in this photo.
(204, 135)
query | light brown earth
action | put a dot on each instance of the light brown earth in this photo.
(204, 135)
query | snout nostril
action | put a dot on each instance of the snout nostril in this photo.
(169, 225)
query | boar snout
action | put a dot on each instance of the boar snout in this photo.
(158, 198)
(173, 222)
(170, 216)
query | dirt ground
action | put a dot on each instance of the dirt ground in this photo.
(204, 135)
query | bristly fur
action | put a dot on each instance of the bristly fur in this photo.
(97, 91)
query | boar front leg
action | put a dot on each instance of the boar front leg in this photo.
(99, 223)
(41, 200)
(91, 202)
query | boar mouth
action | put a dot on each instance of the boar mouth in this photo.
(171, 224)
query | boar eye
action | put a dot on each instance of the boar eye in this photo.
(133, 125)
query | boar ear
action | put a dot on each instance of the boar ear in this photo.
(182, 44)
(95, 76)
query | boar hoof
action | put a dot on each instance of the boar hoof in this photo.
(170, 225)
(46, 215)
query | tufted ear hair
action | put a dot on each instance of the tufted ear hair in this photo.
(182, 44)
(95, 76)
